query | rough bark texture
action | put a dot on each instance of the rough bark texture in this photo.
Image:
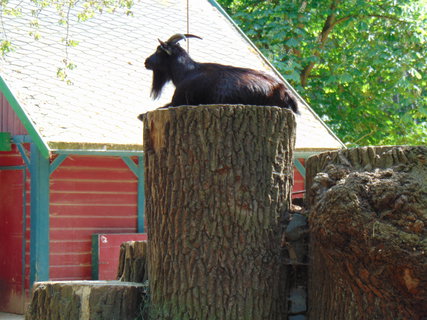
(86, 300)
(133, 262)
(217, 180)
(368, 211)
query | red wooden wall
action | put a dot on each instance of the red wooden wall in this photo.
(93, 195)
(299, 184)
(105, 257)
(9, 121)
(13, 281)
(88, 195)
(11, 187)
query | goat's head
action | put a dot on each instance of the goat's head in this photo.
(160, 61)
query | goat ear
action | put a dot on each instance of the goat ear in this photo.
(165, 47)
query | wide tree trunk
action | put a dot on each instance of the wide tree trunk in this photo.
(217, 180)
(368, 211)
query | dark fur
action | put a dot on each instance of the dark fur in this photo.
(211, 83)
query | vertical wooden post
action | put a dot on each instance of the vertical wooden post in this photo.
(39, 236)
(217, 180)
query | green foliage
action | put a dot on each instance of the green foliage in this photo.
(361, 65)
(61, 72)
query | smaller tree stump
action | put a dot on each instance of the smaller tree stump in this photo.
(368, 212)
(86, 300)
(133, 262)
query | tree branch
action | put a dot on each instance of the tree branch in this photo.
(330, 23)
(386, 17)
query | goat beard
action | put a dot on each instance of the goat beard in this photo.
(160, 78)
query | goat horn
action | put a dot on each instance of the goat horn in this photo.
(189, 35)
(179, 36)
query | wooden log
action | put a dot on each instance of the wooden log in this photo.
(133, 262)
(86, 300)
(368, 211)
(217, 180)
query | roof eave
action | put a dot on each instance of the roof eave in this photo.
(112, 149)
(305, 153)
(104, 149)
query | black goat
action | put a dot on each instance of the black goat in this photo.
(212, 83)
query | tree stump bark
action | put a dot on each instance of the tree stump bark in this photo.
(217, 180)
(368, 211)
(133, 262)
(86, 300)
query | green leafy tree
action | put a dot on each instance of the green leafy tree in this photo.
(361, 65)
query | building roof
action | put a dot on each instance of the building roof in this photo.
(110, 85)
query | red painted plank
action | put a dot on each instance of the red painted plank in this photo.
(112, 174)
(6, 161)
(92, 222)
(103, 168)
(88, 185)
(93, 198)
(93, 210)
(95, 162)
(109, 251)
(83, 272)
(299, 185)
(11, 158)
(70, 246)
(84, 234)
(77, 259)
(298, 176)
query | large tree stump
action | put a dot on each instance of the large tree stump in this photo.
(217, 180)
(133, 262)
(86, 300)
(368, 211)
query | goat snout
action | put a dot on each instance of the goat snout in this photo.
(147, 64)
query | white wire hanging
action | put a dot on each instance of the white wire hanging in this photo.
(188, 24)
